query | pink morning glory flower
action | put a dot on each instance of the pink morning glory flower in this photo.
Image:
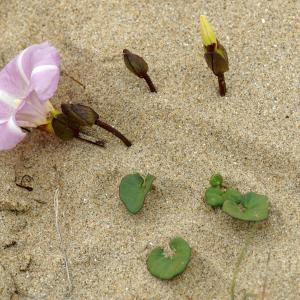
(26, 84)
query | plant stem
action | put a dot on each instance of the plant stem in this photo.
(222, 84)
(150, 83)
(114, 132)
(100, 143)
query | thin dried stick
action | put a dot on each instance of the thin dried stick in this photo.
(239, 261)
(74, 79)
(266, 278)
(62, 246)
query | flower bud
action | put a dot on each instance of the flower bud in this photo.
(79, 114)
(215, 54)
(135, 63)
(63, 128)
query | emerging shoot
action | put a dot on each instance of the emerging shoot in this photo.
(248, 207)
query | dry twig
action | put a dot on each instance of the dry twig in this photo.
(62, 246)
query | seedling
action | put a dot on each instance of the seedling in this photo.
(215, 54)
(133, 190)
(248, 207)
(137, 65)
(163, 267)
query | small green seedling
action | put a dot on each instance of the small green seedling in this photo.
(248, 207)
(164, 267)
(133, 190)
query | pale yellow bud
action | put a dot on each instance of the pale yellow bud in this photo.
(206, 31)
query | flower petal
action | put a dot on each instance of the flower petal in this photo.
(11, 81)
(7, 105)
(10, 134)
(32, 112)
(44, 80)
(36, 67)
(41, 66)
(207, 33)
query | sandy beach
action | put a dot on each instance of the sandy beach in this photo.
(182, 135)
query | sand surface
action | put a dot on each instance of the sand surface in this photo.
(182, 135)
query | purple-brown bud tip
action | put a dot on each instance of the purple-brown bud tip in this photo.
(136, 64)
(79, 114)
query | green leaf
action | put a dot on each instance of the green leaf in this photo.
(254, 208)
(213, 196)
(233, 195)
(216, 180)
(164, 267)
(133, 190)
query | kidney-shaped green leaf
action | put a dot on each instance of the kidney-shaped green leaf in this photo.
(253, 207)
(164, 267)
(133, 190)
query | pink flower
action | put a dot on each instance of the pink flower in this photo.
(26, 84)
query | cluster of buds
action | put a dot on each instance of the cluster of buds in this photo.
(68, 124)
(215, 54)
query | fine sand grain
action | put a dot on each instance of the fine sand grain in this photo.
(182, 135)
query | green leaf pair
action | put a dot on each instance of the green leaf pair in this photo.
(248, 207)
(133, 190)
